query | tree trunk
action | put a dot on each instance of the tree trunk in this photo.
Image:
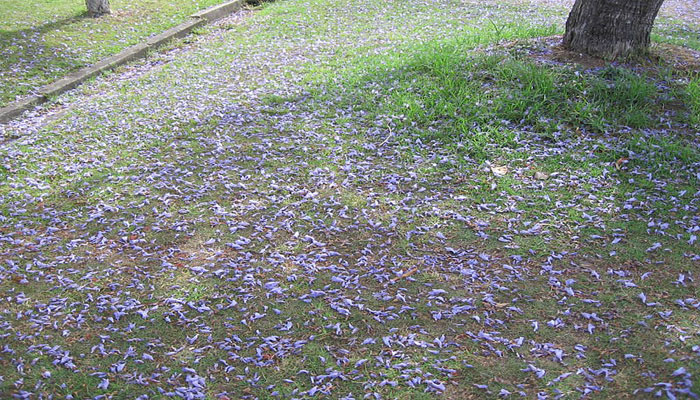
(97, 8)
(611, 29)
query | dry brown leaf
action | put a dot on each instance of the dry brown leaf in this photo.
(499, 171)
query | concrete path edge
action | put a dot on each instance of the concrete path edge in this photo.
(131, 53)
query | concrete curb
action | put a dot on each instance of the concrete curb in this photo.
(214, 13)
(175, 32)
(137, 51)
(18, 107)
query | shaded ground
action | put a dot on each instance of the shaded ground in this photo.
(355, 200)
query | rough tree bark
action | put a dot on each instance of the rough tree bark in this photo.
(611, 29)
(97, 8)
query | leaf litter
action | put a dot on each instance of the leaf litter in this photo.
(234, 236)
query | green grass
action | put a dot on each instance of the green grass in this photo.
(679, 35)
(693, 93)
(445, 92)
(43, 40)
(310, 127)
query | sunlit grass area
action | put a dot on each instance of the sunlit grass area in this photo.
(41, 41)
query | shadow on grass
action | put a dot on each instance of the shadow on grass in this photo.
(8, 35)
(478, 98)
(27, 61)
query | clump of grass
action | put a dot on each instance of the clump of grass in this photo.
(444, 92)
(622, 97)
(693, 101)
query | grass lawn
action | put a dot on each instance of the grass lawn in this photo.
(354, 199)
(43, 40)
